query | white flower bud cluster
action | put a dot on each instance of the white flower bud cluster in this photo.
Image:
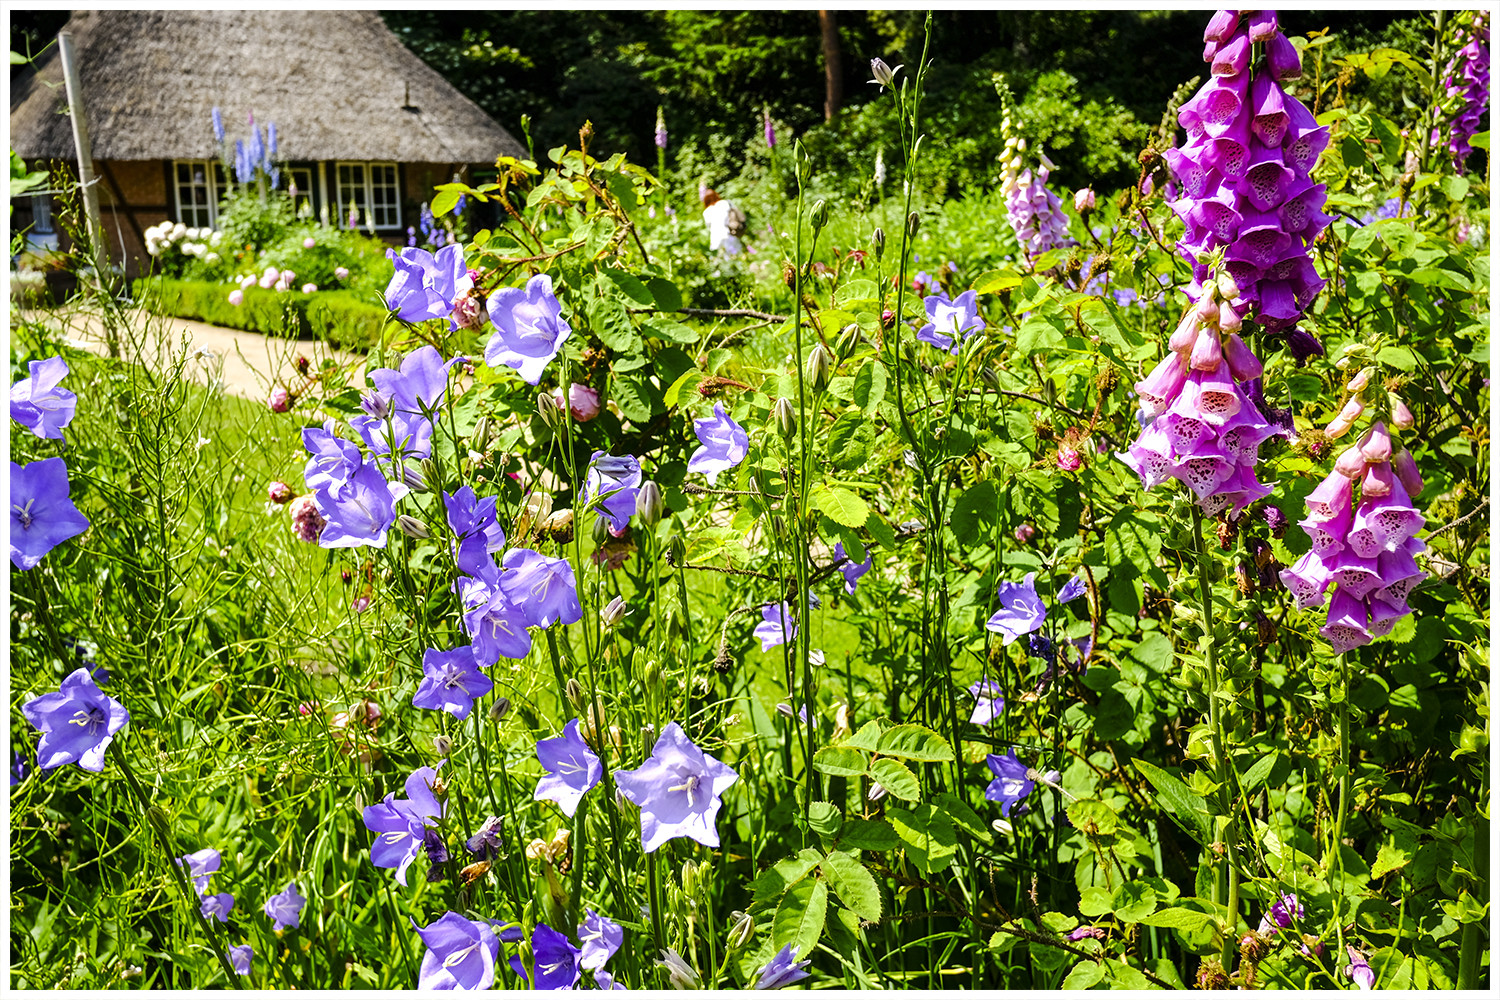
(189, 240)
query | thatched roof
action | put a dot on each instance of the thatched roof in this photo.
(338, 84)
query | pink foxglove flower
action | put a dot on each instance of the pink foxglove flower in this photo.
(1469, 75)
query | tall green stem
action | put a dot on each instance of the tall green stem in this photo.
(1335, 861)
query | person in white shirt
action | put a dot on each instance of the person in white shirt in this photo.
(726, 223)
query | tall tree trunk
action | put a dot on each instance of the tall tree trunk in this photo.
(833, 66)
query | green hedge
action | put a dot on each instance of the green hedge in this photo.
(340, 318)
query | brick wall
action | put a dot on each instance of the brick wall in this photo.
(142, 186)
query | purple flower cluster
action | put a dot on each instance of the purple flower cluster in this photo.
(1469, 76)
(428, 286)
(1367, 550)
(1245, 168)
(1035, 211)
(1199, 424)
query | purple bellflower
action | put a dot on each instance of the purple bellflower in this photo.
(360, 510)
(782, 970)
(475, 525)
(852, 570)
(285, 908)
(601, 937)
(572, 769)
(529, 328)
(426, 286)
(38, 404)
(333, 460)
(217, 906)
(1021, 610)
(200, 865)
(486, 842)
(42, 515)
(540, 588)
(723, 444)
(401, 824)
(396, 417)
(1285, 911)
(556, 960)
(1359, 969)
(619, 476)
(678, 789)
(1072, 590)
(77, 723)
(777, 628)
(240, 957)
(461, 954)
(989, 701)
(451, 680)
(949, 323)
(496, 626)
(1013, 782)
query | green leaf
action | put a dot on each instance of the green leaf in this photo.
(664, 328)
(840, 761)
(1038, 333)
(880, 530)
(868, 738)
(667, 297)
(611, 324)
(849, 441)
(444, 201)
(857, 289)
(869, 386)
(868, 835)
(1095, 901)
(1255, 775)
(840, 505)
(1093, 816)
(1455, 187)
(1184, 805)
(928, 836)
(853, 884)
(1177, 916)
(1397, 357)
(630, 286)
(770, 883)
(1086, 974)
(974, 512)
(991, 282)
(685, 386)
(799, 918)
(1396, 854)
(636, 397)
(962, 816)
(1134, 901)
(914, 742)
(825, 819)
(897, 779)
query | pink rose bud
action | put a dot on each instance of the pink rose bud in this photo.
(309, 288)
(1068, 459)
(309, 243)
(1083, 200)
(288, 276)
(279, 492)
(280, 286)
(582, 401)
(1375, 446)
(1401, 417)
(236, 297)
(1025, 533)
(361, 604)
(1377, 481)
(1405, 468)
(280, 400)
(307, 707)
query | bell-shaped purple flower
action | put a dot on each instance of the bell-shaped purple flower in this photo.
(572, 769)
(678, 789)
(852, 570)
(38, 404)
(451, 680)
(777, 626)
(949, 323)
(989, 701)
(473, 521)
(333, 459)
(617, 478)
(529, 328)
(217, 907)
(1013, 781)
(782, 970)
(240, 957)
(600, 937)
(1072, 590)
(723, 444)
(201, 866)
(285, 908)
(461, 954)
(42, 514)
(496, 626)
(556, 960)
(541, 588)
(77, 723)
(1021, 610)
(425, 285)
(401, 824)
(360, 510)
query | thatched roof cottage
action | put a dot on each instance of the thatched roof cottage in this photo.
(362, 122)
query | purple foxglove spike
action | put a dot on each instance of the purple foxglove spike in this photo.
(1221, 25)
(1357, 574)
(1375, 445)
(1239, 491)
(1216, 216)
(1196, 176)
(1267, 177)
(1263, 25)
(1268, 108)
(1332, 497)
(1307, 579)
(1229, 154)
(1149, 457)
(1204, 475)
(1327, 536)
(1218, 397)
(1278, 304)
(1377, 481)
(1229, 324)
(1214, 108)
(1157, 389)
(1405, 468)
(1186, 433)
(1186, 333)
(1392, 518)
(1306, 139)
(1302, 214)
(1348, 622)
(1232, 58)
(1243, 364)
(1261, 241)
(1283, 58)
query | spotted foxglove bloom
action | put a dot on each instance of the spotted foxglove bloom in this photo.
(77, 723)
(723, 444)
(989, 701)
(201, 866)
(572, 769)
(617, 478)
(1021, 610)
(451, 680)
(42, 514)
(38, 404)
(1036, 213)
(401, 825)
(529, 328)
(1468, 75)
(1013, 782)
(425, 285)
(1368, 550)
(600, 937)
(1245, 171)
(540, 587)
(949, 323)
(678, 789)
(461, 954)
(782, 970)
(852, 570)
(285, 908)
(1199, 425)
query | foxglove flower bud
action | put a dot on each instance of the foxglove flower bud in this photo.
(1375, 446)
(1362, 379)
(1351, 463)
(1340, 424)
(1401, 417)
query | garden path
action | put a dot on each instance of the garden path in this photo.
(247, 363)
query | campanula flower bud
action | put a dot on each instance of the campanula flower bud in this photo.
(819, 217)
(648, 503)
(848, 339)
(442, 746)
(742, 930)
(819, 368)
(411, 527)
(500, 709)
(614, 612)
(913, 223)
(600, 531)
(548, 409)
(878, 239)
(785, 415)
(677, 549)
(804, 164)
(883, 75)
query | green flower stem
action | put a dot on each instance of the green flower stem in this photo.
(159, 830)
(1336, 859)
(1469, 968)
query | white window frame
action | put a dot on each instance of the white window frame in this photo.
(210, 186)
(367, 187)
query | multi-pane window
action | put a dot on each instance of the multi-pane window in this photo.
(368, 194)
(301, 188)
(197, 185)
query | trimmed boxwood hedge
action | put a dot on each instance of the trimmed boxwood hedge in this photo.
(339, 318)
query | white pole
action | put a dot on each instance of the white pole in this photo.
(86, 177)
